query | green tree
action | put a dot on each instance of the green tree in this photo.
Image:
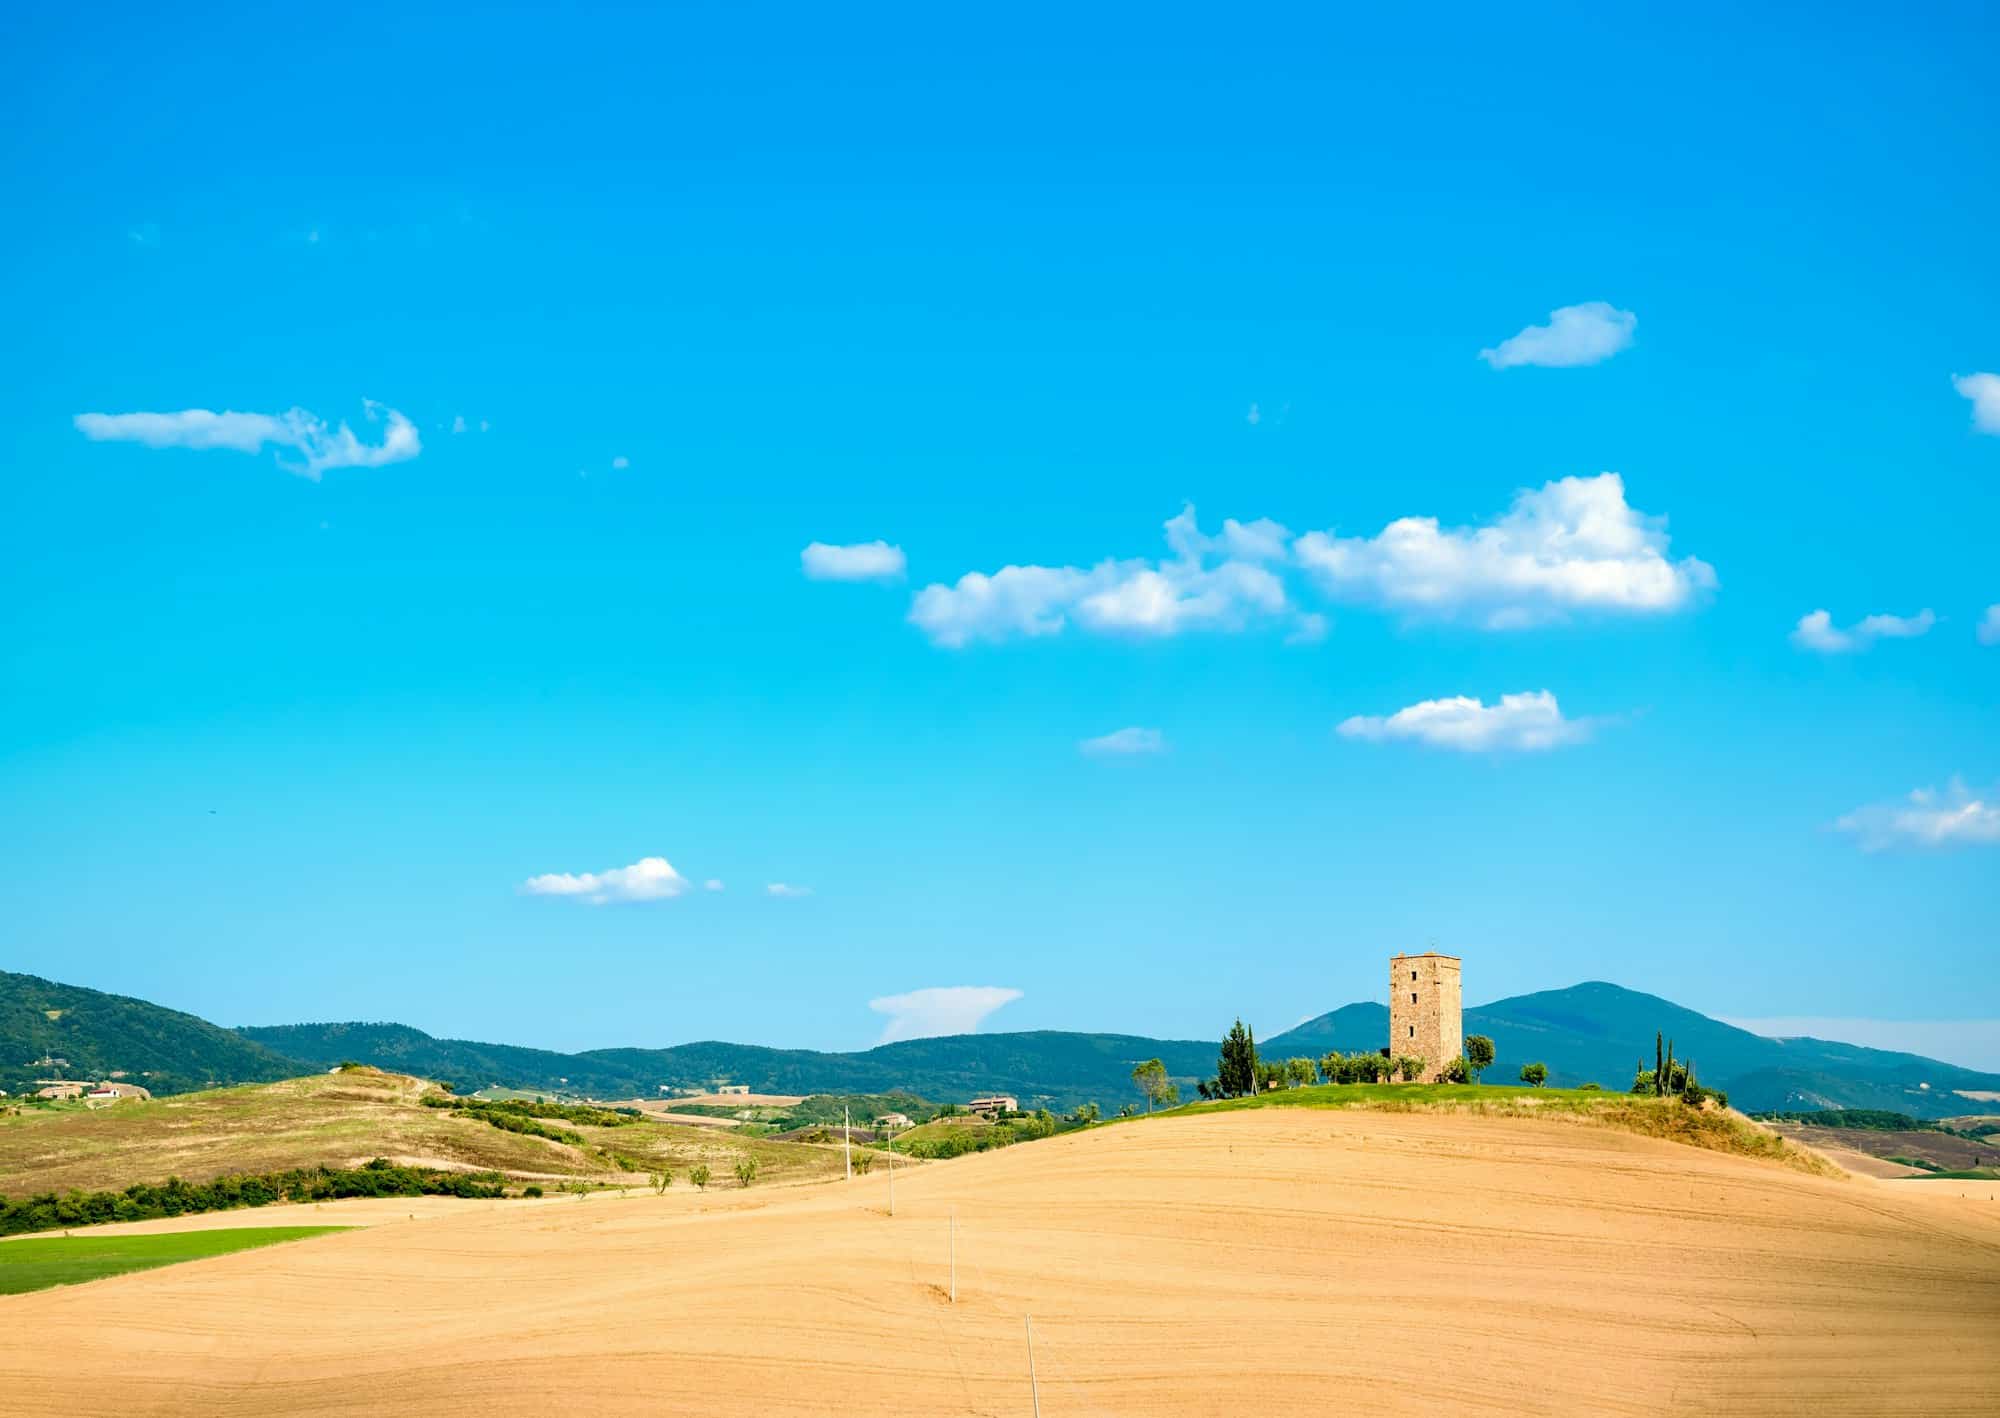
(746, 1170)
(698, 1174)
(1236, 1069)
(863, 1160)
(1478, 1055)
(1086, 1113)
(1151, 1076)
(661, 1181)
(1329, 1067)
(1299, 1072)
(1534, 1074)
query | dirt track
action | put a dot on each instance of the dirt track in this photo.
(1284, 1261)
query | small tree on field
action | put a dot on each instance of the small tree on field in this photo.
(699, 1176)
(1478, 1055)
(1236, 1068)
(1534, 1074)
(746, 1170)
(1299, 1072)
(661, 1181)
(1090, 1112)
(1151, 1076)
(1329, 1068)
(1409, 1066)
(1457, 1072)
(863, 1160)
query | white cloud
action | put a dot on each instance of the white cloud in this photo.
(1816, 631)
(1984, 391)
(1125, 741)
(1132, 597)
(1575, 334)
(712, 884)
(1928, 818)
(319, 448)
(859, 561)
(1253, 417)
(1969, 1043)
(1989, 626)
(458, 423)
(621, 461)
(1573, 544)
(648, 879)
(950, 1009)
(786, 889)
(1518, 723)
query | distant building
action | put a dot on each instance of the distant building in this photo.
(892, 1122)
(60, 1090)
(118, 1090)
(994, 1105)
(737, 1089)
(1426, 1019)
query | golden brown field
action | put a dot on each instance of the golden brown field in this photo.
(343, 1120)
(1276, 1261)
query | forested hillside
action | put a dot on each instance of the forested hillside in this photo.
(99, 1034)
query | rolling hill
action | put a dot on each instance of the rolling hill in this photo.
(100, 1034)
(1599, 1033)
(1589, 1033)
(1059, 1069)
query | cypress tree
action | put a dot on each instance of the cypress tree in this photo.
(1236, 1068)
(1659, 1065)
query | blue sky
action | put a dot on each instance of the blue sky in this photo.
(623, 313)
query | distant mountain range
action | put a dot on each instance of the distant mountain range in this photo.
(1587, 1033)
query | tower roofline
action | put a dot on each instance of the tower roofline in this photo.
(1427, 955)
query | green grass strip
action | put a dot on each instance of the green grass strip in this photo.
(38, 1262)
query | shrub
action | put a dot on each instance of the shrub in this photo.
(863, 1161)
(1457, 1072)
(661, 1181)
(699, 1176)
(531, 1190)
(1591, 1087)
(746, 1170)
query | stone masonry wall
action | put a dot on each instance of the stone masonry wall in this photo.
(1426, 1012)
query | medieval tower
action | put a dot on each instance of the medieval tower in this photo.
(1424, 1011)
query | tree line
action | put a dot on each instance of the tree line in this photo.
(174, 1197)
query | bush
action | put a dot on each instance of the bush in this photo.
(661, 1181)
(1457, 1072)
(746, 1170)
(699, 1176)
(863, 1161)
(1591, 1087)
(531, 1190)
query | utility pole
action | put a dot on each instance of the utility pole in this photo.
(892, 1174)
(954, 1255)
(1033, 1387)
(847, 1138)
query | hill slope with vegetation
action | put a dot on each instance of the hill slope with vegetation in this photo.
(99, 1035)
(1602, 1033)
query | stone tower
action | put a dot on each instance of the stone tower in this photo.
(1425, 1017)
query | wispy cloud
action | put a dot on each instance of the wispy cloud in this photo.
(1125, 742)
(786, 890)
(712, 884)
(1576, 334)
(1573, 544)
(1518, 723)
(1955, 817)
(1207, 583)
(621, 462)
(648, 879)
(1816, 631)
(1989, 626)
(319, 448)
(1984, 391)
(857, 561)
(948, 1009)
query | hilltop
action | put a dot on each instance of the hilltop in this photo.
(1599, 1033)
(344, 1119)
